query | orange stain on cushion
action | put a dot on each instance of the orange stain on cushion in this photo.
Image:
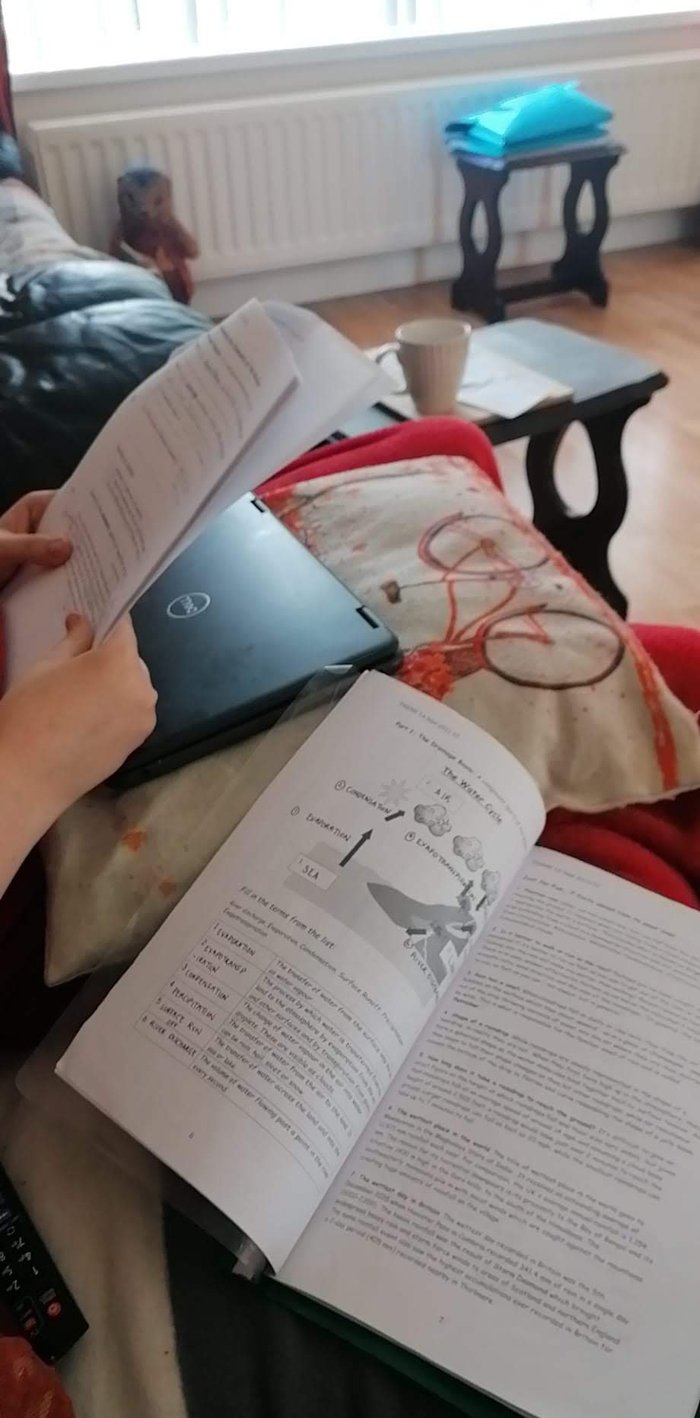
(134, 839)
(166, 887)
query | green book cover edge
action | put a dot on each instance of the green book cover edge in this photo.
(451, 1390)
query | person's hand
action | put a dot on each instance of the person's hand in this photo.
(22, 545)
(70, 722)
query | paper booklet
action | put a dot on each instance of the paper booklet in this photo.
(225, 413)
(449, 1086)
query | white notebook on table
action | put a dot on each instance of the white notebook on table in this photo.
(493, 387)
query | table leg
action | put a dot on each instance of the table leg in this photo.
(475, 289)
(584, 540)
(579, 268)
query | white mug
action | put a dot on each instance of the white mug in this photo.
(432, 355)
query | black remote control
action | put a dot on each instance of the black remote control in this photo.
(31, 1287)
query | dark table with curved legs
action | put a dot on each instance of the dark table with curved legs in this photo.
(579, 268)
(609, 384)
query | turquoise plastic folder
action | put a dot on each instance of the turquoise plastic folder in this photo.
(547, 117)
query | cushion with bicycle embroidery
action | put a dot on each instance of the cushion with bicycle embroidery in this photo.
(491, 619)
(494, 621)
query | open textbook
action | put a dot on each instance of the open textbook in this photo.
(449, 1086)
(225, 413)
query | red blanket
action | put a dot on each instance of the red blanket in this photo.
(28, 1388)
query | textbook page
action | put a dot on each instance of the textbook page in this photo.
(250, 1043)
(143, 481)
(523, 1210)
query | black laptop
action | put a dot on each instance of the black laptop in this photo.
(234, 630)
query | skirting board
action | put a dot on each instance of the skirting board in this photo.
(399, 270)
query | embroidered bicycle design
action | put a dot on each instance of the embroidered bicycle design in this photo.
(536, 646)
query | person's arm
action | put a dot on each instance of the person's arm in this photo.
(65, 727)
(73, 719)
(22, 822)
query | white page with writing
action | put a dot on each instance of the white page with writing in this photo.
(251, 1041)
(143, 481)
(216, 421)
(335, 380)
(523, 1209)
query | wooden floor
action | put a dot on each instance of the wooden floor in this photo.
(654, 310)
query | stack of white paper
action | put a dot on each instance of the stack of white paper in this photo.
(493, 387)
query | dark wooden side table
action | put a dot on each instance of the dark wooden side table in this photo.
(609, 384)
(578, 269)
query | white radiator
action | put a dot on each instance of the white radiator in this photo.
(277, 183)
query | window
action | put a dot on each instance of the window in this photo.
(72, 34)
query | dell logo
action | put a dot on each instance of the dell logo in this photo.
(184, 607)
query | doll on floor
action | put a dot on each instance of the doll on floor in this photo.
(149, 234)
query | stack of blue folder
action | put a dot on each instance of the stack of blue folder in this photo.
(543, 119)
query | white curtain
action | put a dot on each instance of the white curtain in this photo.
(67, 34)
